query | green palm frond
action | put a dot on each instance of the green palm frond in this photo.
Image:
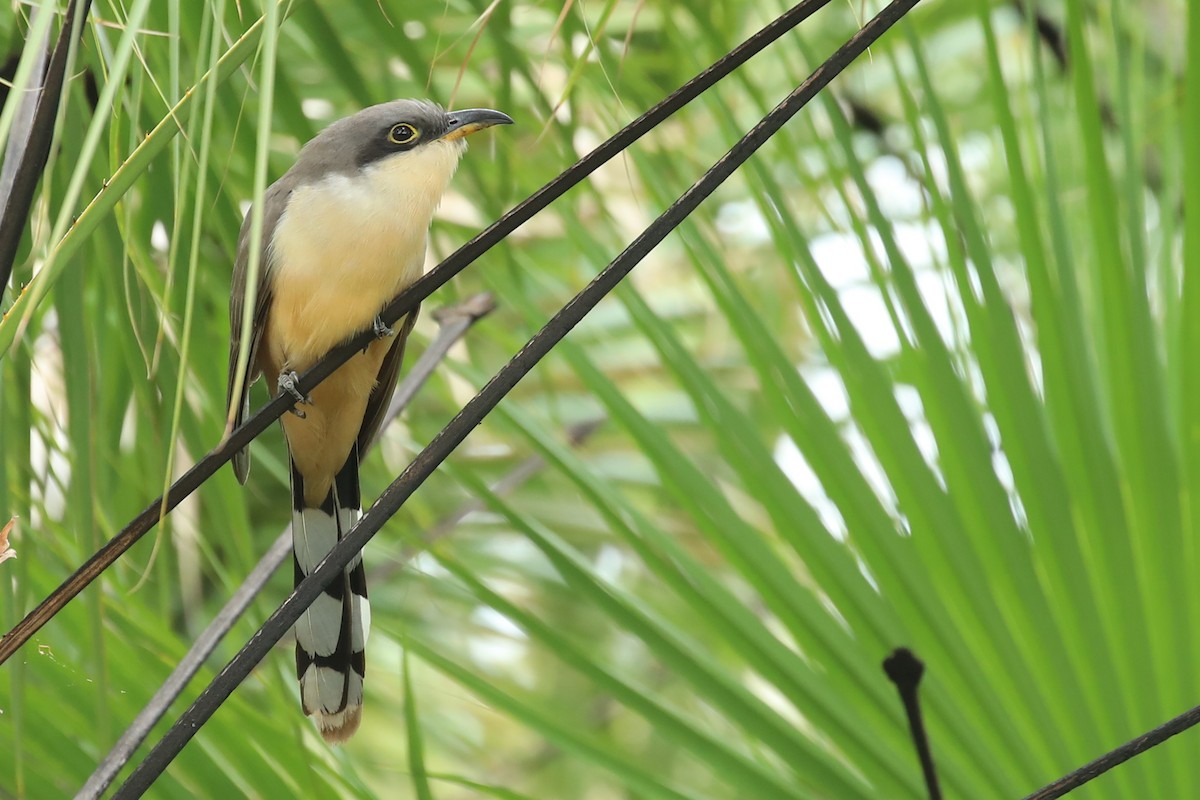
(921, 374)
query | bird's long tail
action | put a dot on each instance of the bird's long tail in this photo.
(332, 633)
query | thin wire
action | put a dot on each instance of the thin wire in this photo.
(577, 434)
(405, 302)
(1113, 758)
(474, 411)
(208, 640)
(454, 323)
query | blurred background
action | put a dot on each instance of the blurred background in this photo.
(916, 375)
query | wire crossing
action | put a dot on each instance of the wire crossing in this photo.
(450, 437)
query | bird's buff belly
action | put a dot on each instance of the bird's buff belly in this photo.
(329, 282)
(341, 251)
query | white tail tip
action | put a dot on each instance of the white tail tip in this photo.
(337, 728)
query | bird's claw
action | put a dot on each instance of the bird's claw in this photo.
(381, 329)
(287, 383)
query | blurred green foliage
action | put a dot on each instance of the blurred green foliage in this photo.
(919, 375)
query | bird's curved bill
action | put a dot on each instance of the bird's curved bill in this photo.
(465, 122)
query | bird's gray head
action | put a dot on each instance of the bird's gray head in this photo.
(400, 128)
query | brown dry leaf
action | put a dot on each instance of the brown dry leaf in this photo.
(7, 552)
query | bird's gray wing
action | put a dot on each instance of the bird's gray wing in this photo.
(385, 384)
(274, 200)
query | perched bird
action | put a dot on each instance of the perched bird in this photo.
(344, 231)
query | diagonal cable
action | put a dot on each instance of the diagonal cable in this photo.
(577, 434)
(1131, 749)
(405, 302)
(454, 323)
(478, 407)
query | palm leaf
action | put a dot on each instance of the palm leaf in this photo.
(920, 375)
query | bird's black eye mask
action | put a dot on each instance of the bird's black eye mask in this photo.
(401, 136)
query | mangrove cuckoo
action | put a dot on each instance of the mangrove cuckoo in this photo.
(344, 232)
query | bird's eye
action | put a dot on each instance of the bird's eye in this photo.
(402, 134)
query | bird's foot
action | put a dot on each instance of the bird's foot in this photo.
(381, 329)
(287, 383)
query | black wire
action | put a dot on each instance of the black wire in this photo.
(197, 655)
(1113, 758)
(405, 302)
(474, 411)
(577, 434)
(454, 323)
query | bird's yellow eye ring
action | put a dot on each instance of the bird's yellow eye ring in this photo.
(403, 133)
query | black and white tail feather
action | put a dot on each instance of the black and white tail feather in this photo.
(331, 634)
